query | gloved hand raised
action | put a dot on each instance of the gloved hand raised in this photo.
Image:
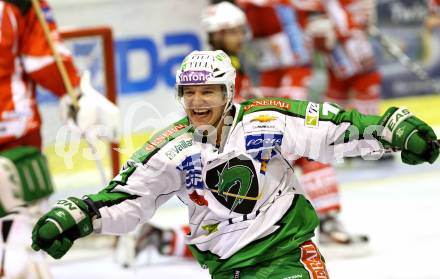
(56, 231)
(414, 137)
(95, 114)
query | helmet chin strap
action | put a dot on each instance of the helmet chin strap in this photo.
(226, 110)
(222, 139)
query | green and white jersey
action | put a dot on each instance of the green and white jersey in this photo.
(242, 197)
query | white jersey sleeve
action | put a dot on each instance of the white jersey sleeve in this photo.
(145, 182)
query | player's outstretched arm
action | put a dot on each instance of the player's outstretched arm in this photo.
(398, 128)
(414, 137)
(327, 132)
(56, 231)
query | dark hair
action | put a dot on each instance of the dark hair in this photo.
(23, 5)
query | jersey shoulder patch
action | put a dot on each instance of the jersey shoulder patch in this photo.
(285, 106)
(160, 139)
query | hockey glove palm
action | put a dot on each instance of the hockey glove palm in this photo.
(414, 137)
(56, 231)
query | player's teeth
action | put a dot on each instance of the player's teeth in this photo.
(201, 111)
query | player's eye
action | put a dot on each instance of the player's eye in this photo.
(208, 92)
(188, 93)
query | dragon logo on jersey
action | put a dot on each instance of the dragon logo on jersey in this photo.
(235, 184)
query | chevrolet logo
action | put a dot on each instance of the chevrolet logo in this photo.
(264, 118)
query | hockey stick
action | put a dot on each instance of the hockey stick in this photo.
(56, 55)
(67, 83)
(396, 52)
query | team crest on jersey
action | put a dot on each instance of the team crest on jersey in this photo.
(235, 184)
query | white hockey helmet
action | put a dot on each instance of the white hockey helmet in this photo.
(223, 15)
(207, 67)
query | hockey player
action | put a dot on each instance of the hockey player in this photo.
(285, 66)
(226, 28)
(25, 184)
(353, 78)
(230, 164)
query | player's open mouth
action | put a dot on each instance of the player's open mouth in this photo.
(201, 115)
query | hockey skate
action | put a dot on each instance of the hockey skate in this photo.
(336, 242)
(128, 247)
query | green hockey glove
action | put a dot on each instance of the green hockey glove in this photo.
(414, 137)
(56, 231)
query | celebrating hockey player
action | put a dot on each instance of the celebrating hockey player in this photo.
(285, 67)
(230, 164)
(25, 183)
(225, 26)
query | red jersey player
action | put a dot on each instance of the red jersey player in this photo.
(25, 61)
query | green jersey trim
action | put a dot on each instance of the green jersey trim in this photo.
(295, 227)
(160, 139)
(315, 112)
(109, 197)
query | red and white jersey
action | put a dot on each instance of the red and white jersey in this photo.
(26, 60)
(261, 17)
(348, 15)
(434, 6)
(353, 53)
(352, 56)
(278, 36)
(307, 5)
